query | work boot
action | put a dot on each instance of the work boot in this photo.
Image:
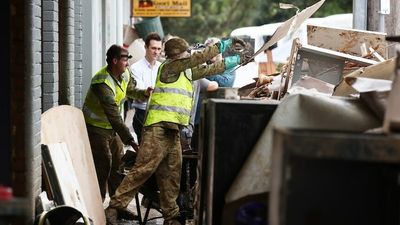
(126, 214)
(179, 220)
(172, 222)
(111, 216)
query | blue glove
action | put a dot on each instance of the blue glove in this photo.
(224, 45)
(231, 61)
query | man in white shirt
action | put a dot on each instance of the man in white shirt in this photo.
(145, 73)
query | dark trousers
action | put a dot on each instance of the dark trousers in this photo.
(137, 123)
(107, 150)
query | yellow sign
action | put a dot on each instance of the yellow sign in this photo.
(163, 8)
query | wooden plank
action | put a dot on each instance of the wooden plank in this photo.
(66, 124)
(346, 40)
(60, 162)
(287, 76)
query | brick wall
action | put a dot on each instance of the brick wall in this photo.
(50, 54)
(25, 70)
(45, 67)
(33, 94)
(78, 54)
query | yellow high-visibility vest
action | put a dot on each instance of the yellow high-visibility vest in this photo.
(92, 110)
(171, 102)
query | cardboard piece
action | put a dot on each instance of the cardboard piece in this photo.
(66, 124)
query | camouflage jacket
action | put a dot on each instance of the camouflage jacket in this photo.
(173, 67)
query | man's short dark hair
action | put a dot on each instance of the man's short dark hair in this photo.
(152, 36)
(114, 52)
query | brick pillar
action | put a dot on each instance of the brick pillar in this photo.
(66, 37)
(78, 54)
(50, 54)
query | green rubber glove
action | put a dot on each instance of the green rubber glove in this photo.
(231, 61)
(224, 45)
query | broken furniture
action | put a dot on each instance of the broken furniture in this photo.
(323, 64)
(330, 54)
(334, 177)
(326, 65)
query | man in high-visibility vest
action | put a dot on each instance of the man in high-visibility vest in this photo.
(168, 110)
(106, 129)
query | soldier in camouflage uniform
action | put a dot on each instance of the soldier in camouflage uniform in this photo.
(102, 111)
(168, 110)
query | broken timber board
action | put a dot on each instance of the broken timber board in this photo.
(67, 124)
(383, 70)
(346, 40)
(286, 81)
(62, 176)
(290, 25)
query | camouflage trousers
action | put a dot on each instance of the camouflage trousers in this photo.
(160, 153)
(107, 150)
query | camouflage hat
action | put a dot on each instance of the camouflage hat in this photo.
(175, 46)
